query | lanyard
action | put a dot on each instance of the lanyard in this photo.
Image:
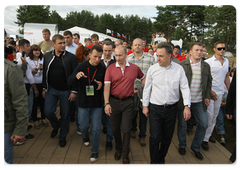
(92, 77)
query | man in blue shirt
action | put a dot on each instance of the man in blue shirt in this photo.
(70, 46)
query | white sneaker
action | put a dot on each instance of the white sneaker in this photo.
(80, 133)
(222, 141)
(18, 143)
(36, 124)
(86, 143)
(44, 122)
(94, 157)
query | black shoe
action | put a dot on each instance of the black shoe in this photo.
(198, 154)
(205, 146)
(109, 145)
(182, 151)
(162, 161)
(126, 161)
(211, 139)
(117, 156)
(29, 136)
(62, 143)
(104, 130)
(54, 133)
(72, 119)
(94, 157)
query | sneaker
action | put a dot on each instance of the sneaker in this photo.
(205, 146)
(182, 151)
(211, 139)
(18, 143)
(86, 142)
(36, 124)
(79, 133)
(222, 141)
(29, 136)
(94, 157)
(44, 122)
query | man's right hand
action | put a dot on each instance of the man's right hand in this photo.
(80, 75)
(108, 110)
(213, 95)
(145, 111)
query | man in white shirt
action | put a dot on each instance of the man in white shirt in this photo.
(70, 46)
(160, 97)
(219, 68)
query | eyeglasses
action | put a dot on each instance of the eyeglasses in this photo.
(221, 48)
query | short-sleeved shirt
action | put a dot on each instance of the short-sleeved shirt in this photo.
(122, 81)
(218, 72)
(45, 46)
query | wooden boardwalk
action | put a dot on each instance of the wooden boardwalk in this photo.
(43, 149)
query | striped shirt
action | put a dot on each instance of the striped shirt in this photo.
(143, 63)
(196, 89)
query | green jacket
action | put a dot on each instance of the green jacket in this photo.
(15, 100)
(206, 80)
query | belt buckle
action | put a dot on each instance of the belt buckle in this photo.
(165, 105)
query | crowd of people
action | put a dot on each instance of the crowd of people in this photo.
(108, 85)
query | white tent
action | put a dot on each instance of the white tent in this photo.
(86, 33)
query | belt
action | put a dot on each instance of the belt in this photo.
(166, 105)
(121, 98)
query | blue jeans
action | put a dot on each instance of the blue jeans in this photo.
(142, 123)
(221, 120)
(84, 121)
(8, 147)
(107, 123)
(51, 98)
(201, 117)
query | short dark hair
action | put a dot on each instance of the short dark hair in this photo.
(22, 42)
(97, 48)
(67, 33)
(57, 37)
(195, 43)
(167, 47)
(108, 43)
(176, 46)
(94, 36)
(76, 34)
(218, 42)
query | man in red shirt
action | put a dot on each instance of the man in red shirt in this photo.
(95, 40)
(145, 49)
(118, 91)
(176, 54)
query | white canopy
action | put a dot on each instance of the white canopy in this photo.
(86, 33)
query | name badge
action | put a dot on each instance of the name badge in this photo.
(90, 90)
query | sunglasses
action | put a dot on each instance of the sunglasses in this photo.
(221, 48)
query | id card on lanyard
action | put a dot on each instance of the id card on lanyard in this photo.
(90, 88)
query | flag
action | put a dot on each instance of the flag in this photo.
(123, 36)
(108, 31)
(118, 35)
(112, 34)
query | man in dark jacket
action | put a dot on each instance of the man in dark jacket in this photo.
(58, 65)
(200, 83)
(16, 108)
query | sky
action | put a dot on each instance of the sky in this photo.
(147, 11)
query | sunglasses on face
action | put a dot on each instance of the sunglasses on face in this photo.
(221, 48)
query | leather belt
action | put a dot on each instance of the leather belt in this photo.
(120, 98)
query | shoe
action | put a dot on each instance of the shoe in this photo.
(117, 156)
(86, 142)
(36, 124)
(54, 133)
(182, 151)
(18, 143)
(45, 123)
(133, 134)
(109, 145)
(94, 157)
(72, 119)
(211, 139)
(126, 161)
(142, 141)
(29, 127)
(104, 130)
(29, 136)
(80, 133)
(162, 161)
(62, 143)
(198, 154)
(205, 146)
(222, 141)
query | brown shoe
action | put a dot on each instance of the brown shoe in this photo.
(142, 141)
(126, 161)
(117, 156)
(133, 134)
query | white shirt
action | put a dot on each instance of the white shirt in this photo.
(218, 72)
(36, 64)
(72, 48)
(104, 61)
(162, 85)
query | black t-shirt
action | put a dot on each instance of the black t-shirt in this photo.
(85, 101)
(57, 76)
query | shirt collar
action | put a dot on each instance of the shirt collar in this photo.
(127, 64)
(140, 57)
(217, 59)
(112, 58)
(191, 62)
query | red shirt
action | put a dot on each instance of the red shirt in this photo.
(179, 57)
(130, 52)
(122, 85)
(90, 46)
(145, 49)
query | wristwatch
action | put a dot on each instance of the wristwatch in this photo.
(187, 106)
(106, 104)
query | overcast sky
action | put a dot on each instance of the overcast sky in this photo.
(142, 11)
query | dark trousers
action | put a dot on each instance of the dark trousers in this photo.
(38, 101)
(162, 123)
(121, 121)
